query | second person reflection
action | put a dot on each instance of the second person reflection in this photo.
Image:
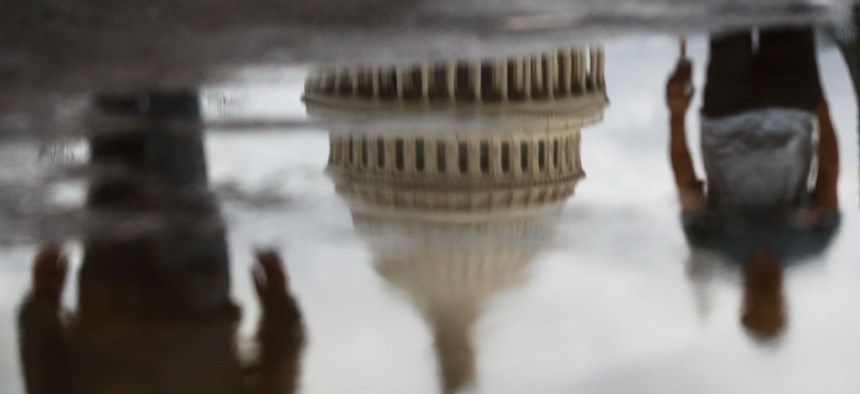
(154, 312)
(762, 206)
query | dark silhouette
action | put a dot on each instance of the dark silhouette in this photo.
(154, 313)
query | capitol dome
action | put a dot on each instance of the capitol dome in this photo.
(455, 218)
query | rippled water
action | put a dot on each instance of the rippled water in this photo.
(436, 234)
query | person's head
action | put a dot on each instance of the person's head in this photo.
(764, 313)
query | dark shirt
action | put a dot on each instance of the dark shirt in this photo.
(738, 237)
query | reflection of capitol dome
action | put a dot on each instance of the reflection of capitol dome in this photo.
(454, 218)
(562, 82)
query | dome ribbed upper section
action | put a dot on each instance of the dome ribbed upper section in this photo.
(457, 173)
(568, 82)
(528, 154)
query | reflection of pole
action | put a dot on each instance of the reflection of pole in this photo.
(683, 59)
(452, 329)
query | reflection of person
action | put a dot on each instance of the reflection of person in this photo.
(762, 106)
(63, 354)
(154, 313)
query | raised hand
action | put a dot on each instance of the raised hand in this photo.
(281, 333)
(270, 279)
(679, 88)
(49, 272)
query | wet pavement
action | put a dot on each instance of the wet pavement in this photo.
(525, 218)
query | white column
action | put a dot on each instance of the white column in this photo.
(571, 153)
(343, 150)
(474, 157)
(549, 159)
(562, 155)
(425, 81)
(534, 166)
(390, 156)
(516, 162)
(601, 59)
(528, 78)
(580, 70)
(592, 75)
(561, 166)
(519, 75)
(475, 74)
(568, 154)
(452, 160)
(451, 74)
(496, 158)
(538, 72)
(568, 71)
(574, 151)
(502, 74)
(552, 66)
(332, 150)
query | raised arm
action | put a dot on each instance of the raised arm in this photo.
(825, 195)
(679, 93)
(41, 337)
(281, 333)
